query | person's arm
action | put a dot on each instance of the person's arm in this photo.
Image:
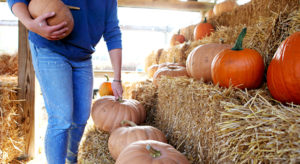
(39, 25)
(116, 61)
(112, 37)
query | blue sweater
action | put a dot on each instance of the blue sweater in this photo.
(94, 19)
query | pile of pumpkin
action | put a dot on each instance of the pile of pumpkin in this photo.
(227, 65)
(128, 142)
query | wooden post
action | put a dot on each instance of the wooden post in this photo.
(26, 83)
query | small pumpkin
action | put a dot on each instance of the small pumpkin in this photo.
(152, 69)
(123, 136)
(177, 39)
(62, 12)
(225, 6)
(283, 75)
(105, 88)
(203, 29)
(209, 14)
(171, 71)
(151, 152)
(198, 63)
(107, 113)
(243, 68)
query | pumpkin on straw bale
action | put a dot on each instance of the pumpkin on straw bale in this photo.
(198, 63)
(243, 68)
(124, 136)
(151, 152)
(107, 113)
(226, 6)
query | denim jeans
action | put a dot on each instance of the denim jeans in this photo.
(67, 87)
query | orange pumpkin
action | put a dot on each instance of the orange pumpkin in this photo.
(198, 63)
(62, 12)
(171, 71)
(177, 39)
(225, 6)
(243, 68)
(105, 88)
(122, 137)
(283, 76)
(152, 69)
(202, 30)
(107, 113)
(151, 152)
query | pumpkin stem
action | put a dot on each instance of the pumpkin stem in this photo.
(174, 59)
(107, 78)
(239, 42)
(205, 20)
(132, 124)
(120, 99)
(178, 33)
(153, 152)
(221, 41)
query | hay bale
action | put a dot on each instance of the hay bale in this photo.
(214, 125)
(248, 14)
(153, 58)
(94, 146)
(12, 122)
(8, 64)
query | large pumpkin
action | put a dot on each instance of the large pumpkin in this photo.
(107, 113)
(198, 63)
(243, 68)
(105, 88)
(283, 76)
(170, 71)
(177, 39)
(151, 152)
(122, 137)
(202, 30)
(62, 12)
(225, 6)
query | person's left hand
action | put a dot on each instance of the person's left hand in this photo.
(117, 89)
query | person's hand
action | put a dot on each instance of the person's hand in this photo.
(39, 25)
(117, 89)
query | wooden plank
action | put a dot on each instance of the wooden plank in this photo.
(169, 5)
(26, 83)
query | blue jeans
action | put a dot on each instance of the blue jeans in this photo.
(67, 87)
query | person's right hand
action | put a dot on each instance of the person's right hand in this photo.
(39, 25)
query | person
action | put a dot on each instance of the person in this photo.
(64, 68)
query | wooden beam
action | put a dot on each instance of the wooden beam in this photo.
(164, 4)
(26, 83)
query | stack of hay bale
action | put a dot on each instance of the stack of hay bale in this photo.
(12, 122)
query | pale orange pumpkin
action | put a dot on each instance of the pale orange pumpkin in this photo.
(151, 70)
(170, 71)
(107, 113)
(198, 63)
(151, 152)
(62, 12)
(123, 136)
(283, 76)
(225, 6)
(203, 29)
